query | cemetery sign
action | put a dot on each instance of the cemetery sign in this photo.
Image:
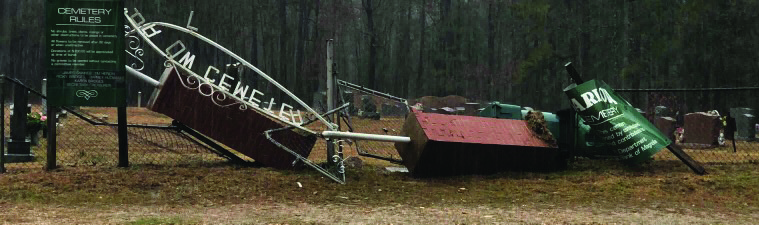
(623, 133)
(85, 52)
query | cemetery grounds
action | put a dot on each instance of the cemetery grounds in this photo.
(207, 190)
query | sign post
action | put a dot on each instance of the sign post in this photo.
(85, 57)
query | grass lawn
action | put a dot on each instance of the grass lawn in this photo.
(660, 186)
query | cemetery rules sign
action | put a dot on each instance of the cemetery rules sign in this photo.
(623, 133)
(85, 52)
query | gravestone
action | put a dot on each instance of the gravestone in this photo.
(393, 110)
(745, 123)
(661, 111)
(368, 109)
(19, 148)
(642, 113)
(348, 97)
(702, 128)
(667, 126)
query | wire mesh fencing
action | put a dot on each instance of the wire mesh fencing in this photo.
(88, 136)
(372, 112)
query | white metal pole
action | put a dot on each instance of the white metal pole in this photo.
(330, 78)
(362, 136)
(44, 94)
(141, 76)
(139, 99)
(330, 102)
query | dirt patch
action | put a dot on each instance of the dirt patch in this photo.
(303, 213)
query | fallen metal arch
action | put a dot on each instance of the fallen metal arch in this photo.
(140, 28)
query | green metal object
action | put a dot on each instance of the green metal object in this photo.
(576, 135)
(622, 132)
(502, 111)
(515, 112)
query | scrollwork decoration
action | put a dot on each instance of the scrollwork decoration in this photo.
(134, 49)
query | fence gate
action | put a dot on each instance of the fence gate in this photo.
(372, 112)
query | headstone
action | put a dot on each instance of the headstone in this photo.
(367, 104)
(745, 123)
(661, 111)
(667, 126)
(702, 128)
(393, 110)
(642, 113)
(19, 148)
(348, 97)
(369, 109)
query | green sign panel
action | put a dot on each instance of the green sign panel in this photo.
(621, 132)
(85, 52)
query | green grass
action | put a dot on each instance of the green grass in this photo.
(596, 183)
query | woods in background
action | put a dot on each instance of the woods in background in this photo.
(508, 50)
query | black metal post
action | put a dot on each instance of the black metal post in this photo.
(2, 123)
(573, 73)
(123, 142)
(52, 119)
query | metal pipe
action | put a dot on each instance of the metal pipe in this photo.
(362, 136)
(44, 93)
(141, 76)
(330, 76)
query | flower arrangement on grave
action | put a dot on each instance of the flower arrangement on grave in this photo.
(35, 121)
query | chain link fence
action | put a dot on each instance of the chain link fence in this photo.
(372, 112)
(697, 120)
(88, 136)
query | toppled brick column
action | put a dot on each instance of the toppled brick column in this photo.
(443, 145)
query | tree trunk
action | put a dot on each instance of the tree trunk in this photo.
(283, 52)
(254, 47)
(300, 51)
(491, 52)
(444, 41)
(369, 9)
(420, 72)
(404, 70)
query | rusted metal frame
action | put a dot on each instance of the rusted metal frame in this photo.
(370, 91)
(303, 159)
(348, 121)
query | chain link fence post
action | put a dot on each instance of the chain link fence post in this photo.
(2, 123)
